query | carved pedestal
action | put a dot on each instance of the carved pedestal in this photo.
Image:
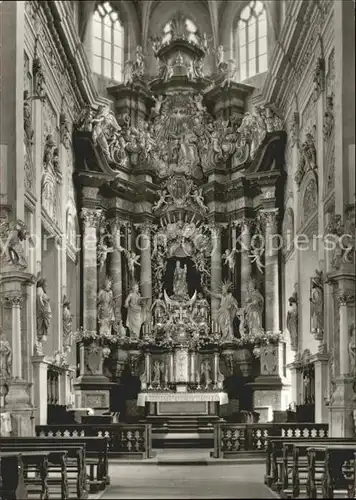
(92, 388)
(271, 390)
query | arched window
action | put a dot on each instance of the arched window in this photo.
(108, 43)
(174, 26)
(252, 40)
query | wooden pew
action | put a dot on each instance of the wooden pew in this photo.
(94, 455)
(12, 483)
(73, 463)
(278, 449)
(338, 471)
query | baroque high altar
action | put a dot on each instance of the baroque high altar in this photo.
(180, 191)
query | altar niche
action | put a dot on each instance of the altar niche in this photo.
(192, 275)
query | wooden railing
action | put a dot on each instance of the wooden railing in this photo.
(232, 439)
(124, 439)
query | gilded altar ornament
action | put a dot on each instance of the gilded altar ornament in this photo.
(105, 308)
(136, 311)
(43, 310)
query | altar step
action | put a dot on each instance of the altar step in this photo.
(182, 431)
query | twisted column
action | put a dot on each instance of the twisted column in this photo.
(91, 219)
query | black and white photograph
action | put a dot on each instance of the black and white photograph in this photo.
(177, 249)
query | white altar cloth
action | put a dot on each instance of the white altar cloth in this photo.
(164, 397)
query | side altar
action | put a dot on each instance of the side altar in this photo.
(177, 184)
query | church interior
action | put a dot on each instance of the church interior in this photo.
(177, 281)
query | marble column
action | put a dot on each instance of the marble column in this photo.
(321, 387)
(13, 300)
(116, 267)
(216, 369)
(91, 220)
(145, 269)
(216, 273)
(245, 239)
(271, 271)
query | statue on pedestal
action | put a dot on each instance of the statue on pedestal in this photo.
(292, 320)
(227, 312)
(136, 312)
(253, 309)
(157, 373)
(106, 315)
(317, 303)
(5, 358)
(205, 370)
(43, 310)
(67, 319)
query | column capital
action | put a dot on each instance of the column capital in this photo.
(269, 217)
(91, 217)
(12, 298)
(116, 223)
(146, 227)
(245, 223)
(346, 298)
(216, 228)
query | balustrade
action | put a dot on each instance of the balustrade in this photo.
(124, 439)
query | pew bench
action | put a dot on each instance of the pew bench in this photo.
(64, 468)
(94, 459)
(307, 467)
(275, 459)
(12, 483)
(39, 485)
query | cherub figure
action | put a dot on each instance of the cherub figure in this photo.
(198, 197)
(132, 261)
(162, 200)
(103, 248)
(256, 257)
(229, 258)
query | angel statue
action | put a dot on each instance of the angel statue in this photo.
(228, 310)
(229, 258)
(162, 200)
(198, 197)
(104, 124)
(103, 248)
(256, 256)
(132, 261)
(136, 311)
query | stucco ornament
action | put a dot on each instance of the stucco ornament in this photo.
(12, 237)
(51, 177)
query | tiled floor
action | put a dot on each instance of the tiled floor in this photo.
(186, 481)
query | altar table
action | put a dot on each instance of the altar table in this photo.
(182, 397)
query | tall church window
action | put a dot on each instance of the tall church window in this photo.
(174, 27)
(252, 40)
(108, 42)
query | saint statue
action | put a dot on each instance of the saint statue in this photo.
(106, 315)
(254, 309)
(5, 358)
(227, 312)
(43, 310)
(292, 320)
(205, 370)
(136, 312)
(67, 323)
(180, 285)
(159, 308)
(317, 303)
